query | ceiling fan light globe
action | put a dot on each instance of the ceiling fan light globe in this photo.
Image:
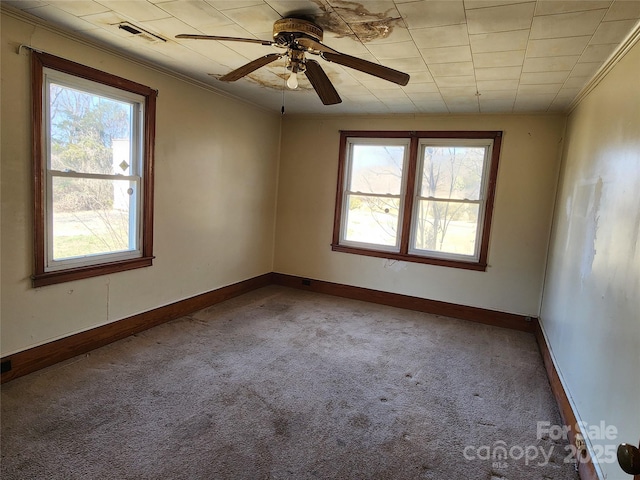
(292, 81)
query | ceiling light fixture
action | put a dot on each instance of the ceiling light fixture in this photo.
(295, 63)
(292, 81)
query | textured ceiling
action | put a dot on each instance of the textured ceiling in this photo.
(463, 56)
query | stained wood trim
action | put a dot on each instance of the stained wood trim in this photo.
(436, 307)
(491, 193)
(409, 196)
(586, 468)
(375, 133)
(421, 133)
(149, 172)
(42, 356)
(337, 216)
(82, 71)
(405, 257)
(37, 163)
(78, 273)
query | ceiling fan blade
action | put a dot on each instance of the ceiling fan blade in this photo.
(365, 66)
(313, 45)
(321, 83)
(225, 39)
(250, 67)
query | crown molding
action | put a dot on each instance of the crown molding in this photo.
(627, 44)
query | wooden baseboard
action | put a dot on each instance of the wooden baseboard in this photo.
(42, 356)
(586, 468)
(474, 314)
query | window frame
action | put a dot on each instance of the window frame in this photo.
(101, 264)
(407, 215)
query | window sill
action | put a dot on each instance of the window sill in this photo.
(477, 266)
(71, 274)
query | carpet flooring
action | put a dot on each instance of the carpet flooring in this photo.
(287, 384)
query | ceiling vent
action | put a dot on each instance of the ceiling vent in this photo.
(140, 32)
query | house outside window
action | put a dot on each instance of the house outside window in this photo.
(424, 197)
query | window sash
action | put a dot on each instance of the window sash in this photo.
(347, 192)
(136, 153)
(136, 101)
(487, 145)
(390, 248)
(135, 225)
(414, 250)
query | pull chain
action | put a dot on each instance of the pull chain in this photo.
(284, 86)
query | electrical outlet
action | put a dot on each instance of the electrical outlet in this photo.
(5, 366)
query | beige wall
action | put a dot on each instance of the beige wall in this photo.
(216, 164)
(522, 216)
(591, 307)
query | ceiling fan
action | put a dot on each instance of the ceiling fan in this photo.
(298, 37)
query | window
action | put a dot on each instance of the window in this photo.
(93, 171)
(417, 196)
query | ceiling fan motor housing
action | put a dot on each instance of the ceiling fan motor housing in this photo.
(295, 61)
(287, 26)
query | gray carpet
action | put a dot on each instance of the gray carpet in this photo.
(285, 384)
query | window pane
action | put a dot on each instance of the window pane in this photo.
(92, 216)
(372, 219)
(89, 133)
(452, 172)
(377, 169)
(446, 227)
